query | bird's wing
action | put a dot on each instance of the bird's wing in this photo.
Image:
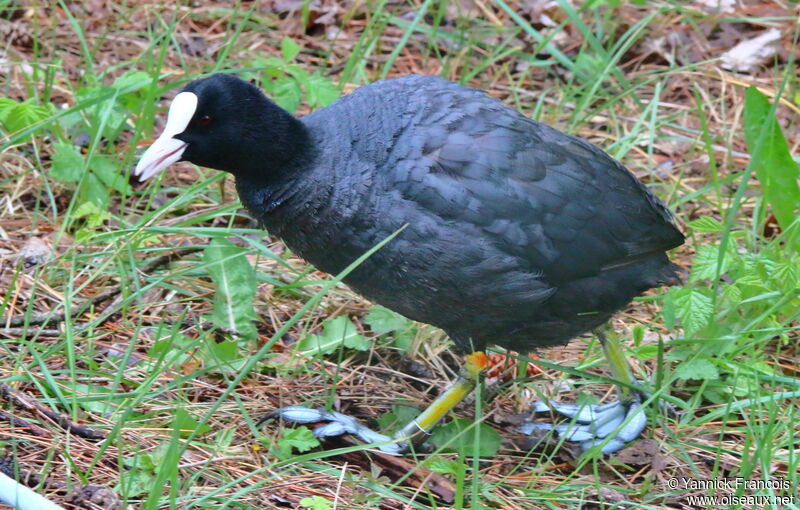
(559, 203)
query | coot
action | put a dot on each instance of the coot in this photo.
(515, 234)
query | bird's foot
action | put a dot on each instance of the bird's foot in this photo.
(338, 424)
(592, 425)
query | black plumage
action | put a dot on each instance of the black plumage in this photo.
(516, 234)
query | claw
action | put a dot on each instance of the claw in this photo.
(593, 425)
(337, 424)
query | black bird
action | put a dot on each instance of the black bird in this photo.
(515, 234)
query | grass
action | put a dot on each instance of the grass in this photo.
(178, 393)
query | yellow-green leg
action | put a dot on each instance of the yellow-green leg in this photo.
(413, 433)
(418, 429)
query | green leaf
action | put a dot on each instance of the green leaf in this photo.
(704, 264)
(335, 332)
(107, 170)
(316, 503)
(7, 105)
(458, 436)
(93, 190)
(67, 163)
(321, 91)
(94, 215)
(776, 170)
(399, 416)
(706, 224)
(133, 80)
(443, 466)
(20, 116)
(301, 439)
(286, 92)
(289, 49)
(187, 424)
(694, 307)
(698, 368)
(382, 320)
(235, 283)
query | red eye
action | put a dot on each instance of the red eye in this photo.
(204, 121)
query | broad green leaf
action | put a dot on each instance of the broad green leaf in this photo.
(7, 105)
(134, 80)
(286, 92)
(316, 503)
(321, 91)
(93, 190)
(698, 368)
(704, 264)
(776, 170)
(300, 439)
(186, 423)
(706, 224)
(289, 49)
(382, 320)
(107, 170)
(22, 116)
(235, 283)
(460, 434)
(67, 163)
(335, 332)
(694, 307)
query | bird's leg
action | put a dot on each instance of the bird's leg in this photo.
(416, 431)
(413, 434)
(600, 424)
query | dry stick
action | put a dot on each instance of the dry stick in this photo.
(16, 422)
(10, 394)
(43, 318)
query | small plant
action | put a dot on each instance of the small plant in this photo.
(285, 81)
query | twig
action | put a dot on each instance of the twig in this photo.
(24, 424)
(9, 393)
(28, 332)
(43, 318)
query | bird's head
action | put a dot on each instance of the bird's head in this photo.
(225, 123)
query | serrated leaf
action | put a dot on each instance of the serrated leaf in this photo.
(107, 171)
(776, 170)
(289, 49)
(321, 91)
(698, 368)
(694, 307)
(22, 116)
(787, 274)
(706, 224)
(7, 105)
(67, 163)
(382, 320)
(286, 92)
(733, 293)
(235, 283)
(704, 264)
(133, 80)
(316, 503)
(301, 439)
(335, 333)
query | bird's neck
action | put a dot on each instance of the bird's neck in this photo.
(278, 182)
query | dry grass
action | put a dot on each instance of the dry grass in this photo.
(102, 367)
